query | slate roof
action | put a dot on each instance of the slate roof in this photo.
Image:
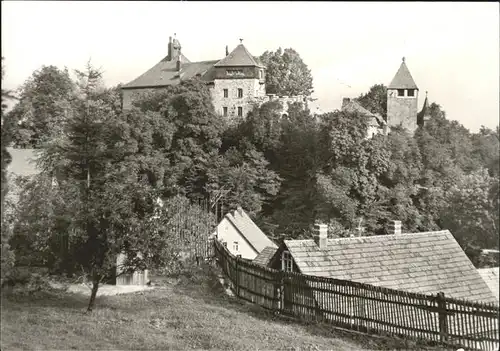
(23, 162)
(403, 79)
(249, 230)
(351, 105)
(239, 57)
(427, 263)
(491, 277)
(264, 257)
(165, 73)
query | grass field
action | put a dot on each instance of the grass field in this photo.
(188, 314)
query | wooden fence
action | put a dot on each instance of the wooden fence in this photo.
(433, 319)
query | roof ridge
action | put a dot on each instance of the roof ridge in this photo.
(444, 231)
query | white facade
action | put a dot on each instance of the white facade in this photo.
(230, 236)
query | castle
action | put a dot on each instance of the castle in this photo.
(402, 105)
(236, 82)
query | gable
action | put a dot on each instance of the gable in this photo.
(237, 232)
(427, 263)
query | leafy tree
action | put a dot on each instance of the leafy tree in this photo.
(100, 188)
(471, 213)
(375, 100)
(286, 73)
(486, 149)
(6, 252)
(44, 102)
(196, 134)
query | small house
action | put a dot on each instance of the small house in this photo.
(427, 263)
(241, 235)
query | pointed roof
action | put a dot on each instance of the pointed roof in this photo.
(425, 113)
(249, 230)
(403, 78)
(240, 56)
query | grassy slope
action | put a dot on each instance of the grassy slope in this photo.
(192, 314)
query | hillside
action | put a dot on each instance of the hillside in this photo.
(181, 314)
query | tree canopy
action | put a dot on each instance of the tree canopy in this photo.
(286, 73)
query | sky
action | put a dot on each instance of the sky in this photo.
(451, 48)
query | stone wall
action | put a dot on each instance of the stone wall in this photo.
(252, 91)
(402, 110)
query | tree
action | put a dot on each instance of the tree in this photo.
(6, 252)
(375, 100)
(472, 214)
(100, 188)
(195, 138)
(286, 73)
(44, 100)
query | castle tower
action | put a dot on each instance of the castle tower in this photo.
(425, 114)
(402, 100)
(239, 79)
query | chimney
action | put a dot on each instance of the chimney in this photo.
(227, 50)
(169, 48)
(345, 101)
(179, 62)
(239, 210)
(395, 227)
(320, 235)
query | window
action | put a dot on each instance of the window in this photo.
(240, 111)
(261, 74)
(401, 92)
(235, 246)
(235, 72)
(411, 92)
(224, 111)
(240, 93)
(226, 93)
(286, 262)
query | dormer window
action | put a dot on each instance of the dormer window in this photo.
(411, 92)
(401, 92)
(235, 72)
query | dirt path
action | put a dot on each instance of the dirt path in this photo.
(104, 289)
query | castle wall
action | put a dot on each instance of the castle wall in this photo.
(402, 109)
(252, 90)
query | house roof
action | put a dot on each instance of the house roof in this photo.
(240, 56)
(264, 257)
(491, 276)
(249, 230)
(428, 263)
(23, 162)
(165, 73)
(351, 105)
(403, 78)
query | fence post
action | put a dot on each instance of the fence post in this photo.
(237, 270)
(443, 318)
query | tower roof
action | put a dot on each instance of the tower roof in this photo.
(403, 78)
(238, 57)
